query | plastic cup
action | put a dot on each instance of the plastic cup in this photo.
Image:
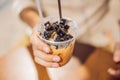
(65, 48)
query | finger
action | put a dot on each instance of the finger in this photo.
(39, 44)
(116, 56)
(46, 64)
(46, 57)
(113, 72)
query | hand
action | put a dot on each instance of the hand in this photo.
(113, 72)
(41, 53)
(116, 58)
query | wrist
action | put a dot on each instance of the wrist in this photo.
(30, 16)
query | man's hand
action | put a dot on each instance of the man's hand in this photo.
(116, 58)
(41, 53)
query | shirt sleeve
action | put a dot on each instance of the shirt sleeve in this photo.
(19, 5)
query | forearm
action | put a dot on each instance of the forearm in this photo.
(30, 16)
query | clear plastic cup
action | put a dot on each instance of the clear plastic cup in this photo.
(65, 48)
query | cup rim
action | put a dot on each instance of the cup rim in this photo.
(53, 42)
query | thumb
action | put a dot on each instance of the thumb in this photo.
(116, 56)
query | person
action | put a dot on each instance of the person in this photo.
(93, 17)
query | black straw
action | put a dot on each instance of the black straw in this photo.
(60, 12)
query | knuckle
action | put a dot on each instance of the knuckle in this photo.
(49, 57)
(31, 38)
(35, 54)
(38, 60)
(42, 62)
(43, 56)
(46, 57)
(34, 48)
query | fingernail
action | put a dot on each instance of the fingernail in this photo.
(111, 71)
(55, 65)
(56, 59)
(45, 49)
(117, 59)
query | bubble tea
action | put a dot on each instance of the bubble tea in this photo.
(60, 34)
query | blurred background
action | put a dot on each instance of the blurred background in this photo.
(11, 29)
